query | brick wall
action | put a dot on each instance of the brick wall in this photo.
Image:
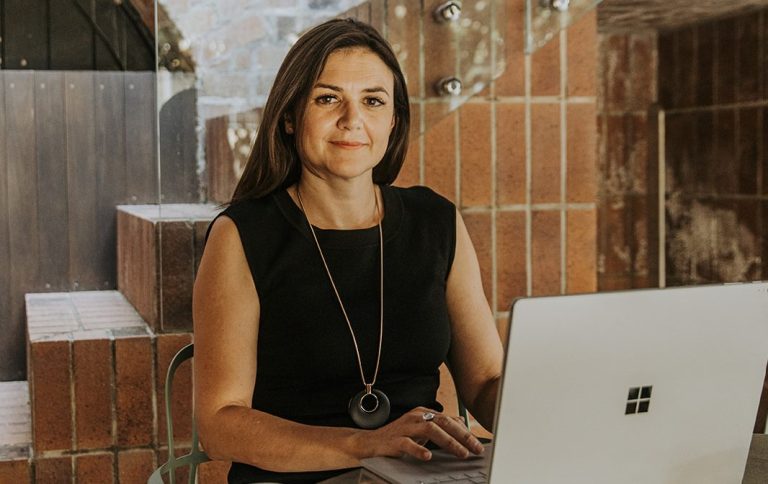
(519, 159)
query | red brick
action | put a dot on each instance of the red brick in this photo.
(93, 393)
(582, 56)
(512, 80)
(135, 466)
(510, 258)
(95, 468)
(439, 62)
(177, 276)
(53, 470)
(475, 127)
(213, 472)
(405, 30)
(137, 256)
(133, 362)
(545, 153)
(440, 155)
(546, 253)
(510, 153)
(181, 407)
(545, 69)
(582, 153)
(182, 473)
(479, 228)
(581, 257)
(409, 173)
(51, 395)
(14, 471)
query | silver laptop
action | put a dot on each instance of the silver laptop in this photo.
(643, 386)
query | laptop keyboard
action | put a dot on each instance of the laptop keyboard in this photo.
(466, 478)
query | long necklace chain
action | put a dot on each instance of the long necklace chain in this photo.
(367, 385)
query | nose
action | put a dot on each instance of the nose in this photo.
(351, 117)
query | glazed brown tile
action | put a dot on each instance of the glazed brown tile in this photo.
(615, 233)
(134, 386)
(134, 466)
(643, 68)
(687, 70)
(475, 151)
(582, 56)
(581, 257)
(93, 393)
(705, 82)
(95, 468)
(510, 153)
(615, 71)
(545, 69)
(479, 228)
(177, 276)
(15, 471)
(668, 65)
(763, 127)
(725, 176)
(510, 258)
(747, 150)
(581, 153)
(181, 407)
(545, 253)
(512, 80)
(726, 53)
(614, 177)
(50, 389)
(440, 156)
(636, 136)
(545, 153)
(53, 470)
(614, 282)
(748, 58)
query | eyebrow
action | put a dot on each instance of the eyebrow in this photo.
(338, 89)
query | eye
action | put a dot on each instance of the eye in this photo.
(374, 101)
(325, 99)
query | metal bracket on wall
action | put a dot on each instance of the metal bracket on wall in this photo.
(447, 12)
(545, 18)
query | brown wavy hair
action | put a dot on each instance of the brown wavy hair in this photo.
(274, 162)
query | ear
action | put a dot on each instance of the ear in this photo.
(288, 124)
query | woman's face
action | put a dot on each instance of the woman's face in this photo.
(349, 116)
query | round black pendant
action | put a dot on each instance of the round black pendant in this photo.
(369, 410)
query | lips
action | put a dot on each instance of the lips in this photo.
(348, 144)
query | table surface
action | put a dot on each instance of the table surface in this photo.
(756, 471)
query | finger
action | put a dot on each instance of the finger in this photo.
(459, 432)
(409, 447)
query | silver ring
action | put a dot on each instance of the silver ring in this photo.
(428, 416)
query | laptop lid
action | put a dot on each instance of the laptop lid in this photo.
(651, 386)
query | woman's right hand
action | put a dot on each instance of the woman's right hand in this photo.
(408, 434)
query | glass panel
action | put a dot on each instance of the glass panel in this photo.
(545, 18)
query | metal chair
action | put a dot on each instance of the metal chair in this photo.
(195, 456)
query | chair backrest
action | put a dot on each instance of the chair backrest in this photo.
(195, 455)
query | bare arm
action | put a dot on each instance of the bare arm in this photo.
(226, 318)
(476, 354)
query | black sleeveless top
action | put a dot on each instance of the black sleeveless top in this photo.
(307, 369)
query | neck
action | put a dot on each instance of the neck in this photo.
(346, 206)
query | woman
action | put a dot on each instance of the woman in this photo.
(326, 299)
